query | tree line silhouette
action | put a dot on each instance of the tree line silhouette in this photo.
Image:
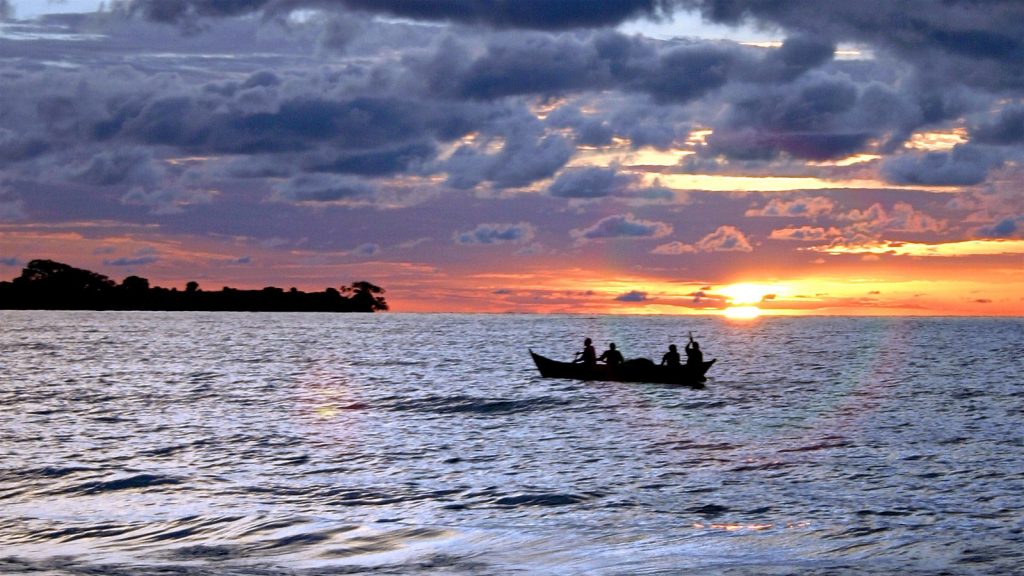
(50, 285)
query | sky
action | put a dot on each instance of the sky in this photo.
(733, 157)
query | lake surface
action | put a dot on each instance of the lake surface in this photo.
(141, 443)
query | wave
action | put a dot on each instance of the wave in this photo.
(461, 404)
(556, 499)
(136, 482)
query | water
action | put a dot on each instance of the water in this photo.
(301, 444)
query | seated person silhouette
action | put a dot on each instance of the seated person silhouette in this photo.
(611, 356)
(671, 358)
(588, 356)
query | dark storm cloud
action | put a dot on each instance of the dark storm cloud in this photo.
(526, 63)
(977, 43)
(323, 188)
(295, 125)
(1006, 129)
(797, 55)
(122, 166)
(527, 154)
(688, 72)
(539, 14)
(591, 182)
(16, 148)
(341, 108)
(964, 165)
(813, 118)
(386, 161)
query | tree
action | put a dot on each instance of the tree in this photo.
(366, 296)
(50, 275)
(49, 285)
(135, 284)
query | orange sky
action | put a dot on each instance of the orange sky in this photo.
(872, 281)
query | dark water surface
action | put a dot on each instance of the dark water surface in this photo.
(263, 444)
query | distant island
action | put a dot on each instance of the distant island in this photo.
(49, 285)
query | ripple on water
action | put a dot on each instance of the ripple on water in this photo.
(266, 445)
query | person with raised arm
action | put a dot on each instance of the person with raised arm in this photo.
(694, 357)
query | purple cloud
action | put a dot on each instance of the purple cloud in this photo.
(487, 234)
(632, 296)
(621, 226)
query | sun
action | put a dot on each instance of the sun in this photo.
(750, 293)
(744, 298)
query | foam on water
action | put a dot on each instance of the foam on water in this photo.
(268, 444)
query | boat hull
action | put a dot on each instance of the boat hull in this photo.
(630, 371)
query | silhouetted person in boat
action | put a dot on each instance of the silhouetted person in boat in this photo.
(694, 357)
(611, 356)
(671, 358)
(588, 356)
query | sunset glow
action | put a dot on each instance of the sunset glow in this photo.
(742, 312)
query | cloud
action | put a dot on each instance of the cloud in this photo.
(800, 207)
(965, 165)
(528, 63)
(15, 147)
(540, 14)
(307, 117)
(798, 54)
(527, 154)
(139, 261)
(902, 217)
(1006, 129)
(487, 234)
(621, 226)
(12, 210)
(632, 296)
(957, 249)
(131, 166)
(724, 239)
(688, 72)
(592, 182)
(384, 161)
(170, 200)
(815, 117)
(1006, 228)
(367, 249)
(944, 40)
(323, 189)
(674, 248)
(804, 234)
